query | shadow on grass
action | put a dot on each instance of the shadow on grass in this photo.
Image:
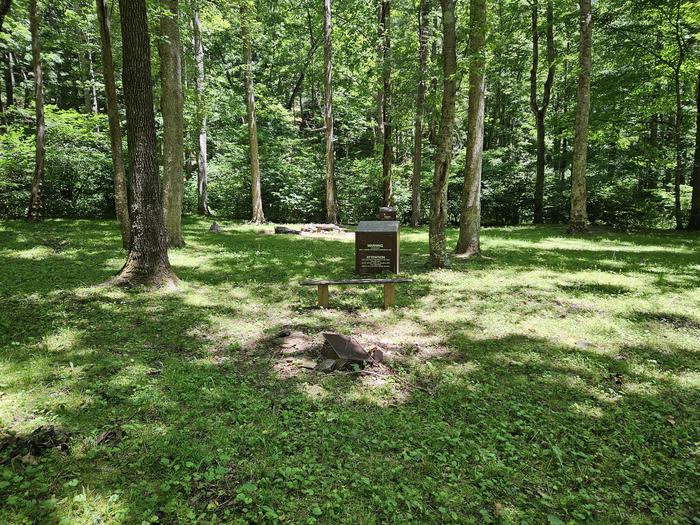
(210, 429)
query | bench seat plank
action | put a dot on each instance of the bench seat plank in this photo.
(355, 281)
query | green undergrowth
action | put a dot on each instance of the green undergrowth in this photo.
(554, 380)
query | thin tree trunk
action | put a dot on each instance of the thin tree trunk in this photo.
(256, 192)
(10, 80)
(202, 199)
(147, 262)
(432, 122)
(443, 155)
(694, 223)
(36, 204)
(171, 103)
(4, 9)
(678, 140)
(423, 12)
(331, 199)
(121, 201)
(470, 218)
(93, 85)
(579, 216)
(537, 111)
(387, 150)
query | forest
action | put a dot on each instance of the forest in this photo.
(254, 74)
(201, 201)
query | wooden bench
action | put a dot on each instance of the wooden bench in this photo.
(389, 288)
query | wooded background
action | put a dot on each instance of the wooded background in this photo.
(642, 130)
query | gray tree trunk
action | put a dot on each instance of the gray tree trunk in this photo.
(470, 218)
(171, 104)
(385, 97)
(694, 223)
(579, 217)
(541, 111)
(36, 204)
(202, 198)
(10, 80)
(147, 263)
(443, 154)
(423, 13)
(256, 191)
(121, 200)
(331, 199)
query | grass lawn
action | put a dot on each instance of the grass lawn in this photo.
(556, 380)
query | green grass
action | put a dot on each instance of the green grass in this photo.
(556, 380)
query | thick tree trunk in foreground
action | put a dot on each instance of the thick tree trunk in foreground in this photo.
(256, 191)
(443, 155)
(694, 223)
(171, 103)
(202, 199)
(385, 98)
(423, 13)
(579, 216)
(540, 112)
(121, 200)
(147, 262)
(36, 204)
(331, 199)
(470, 218)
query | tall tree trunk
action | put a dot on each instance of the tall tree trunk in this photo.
(386, 120)
(93, 86)
(202, 199)
(694, 223)
(470, 218)
(331, 199)
(541, 111)
(36, 204)
(423, 13)
(121, 200)
(147, 262)
(10, 80)
(4, 9)
(678, 140)
(443, 155)
(171, 103)
(579, 217)
(256, 192)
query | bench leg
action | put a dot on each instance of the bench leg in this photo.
(323, 295)
(389, 295)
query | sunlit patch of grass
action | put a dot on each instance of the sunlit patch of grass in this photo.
(555, 376)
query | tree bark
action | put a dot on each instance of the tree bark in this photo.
(121, 200)
(579, 217)
(385, 98)
(147, 263)
(470, 218)
(541, 111)
(678, 140)
(202, 198)
(443, 154)
(4, 9)
(256, 192)
(93, 85)
(10, 80)
(171, 103)
(36, 204)
(331, 199)
(423, 13)
(694, 223)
